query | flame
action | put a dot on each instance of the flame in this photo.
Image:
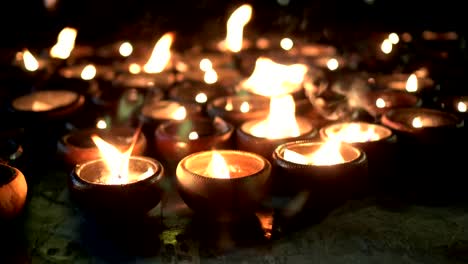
(201, 98)
(229, 106)
(125, 49)
(386, 46)
(235, 27)
(101, 124)
(134, 68)
(218, 167)
(30, 62)
(394, 39)
(206, 64)
(286, 43)
(179, 114)
(88, 72)
(380, 103)
(333, 64)
(39, 106)
(65, 43)
(281, 121)
(274, 79)
(193, 135)
(328, 154)
(461, 107)
(210, 76)
(161, 54)
(417, 122)
(412, 83)
(354, 132)
(245, 107)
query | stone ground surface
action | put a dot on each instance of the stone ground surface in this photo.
(52, 230)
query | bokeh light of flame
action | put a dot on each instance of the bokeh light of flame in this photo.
(394, 39)
(462, 107)
(65, 43)
(354, 132)
(126, 49)
(386, 46)
(88, 72)
(286, 43)
(210, 76)
(328, 154)
(235, 27)
(161, 55)
(417, 122)
(30, 62)
(412, 83)
(218, 167)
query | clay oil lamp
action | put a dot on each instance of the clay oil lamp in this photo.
(377, 102)
(176, 139)
(272, 79)
(237, 109)
(377, 141)
(329, 172)
(77, 147)
(117, 186)
(224, 185)
(262, 136)
(13, 192)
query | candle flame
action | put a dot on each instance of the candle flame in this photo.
(65, 43)
(218, 167)
(210, 76)
(412, 83)
(386, 46)
(417, 122)
(286, 43)
(274, 79)
(201, 98)
(88, 72)
(281, 121)
(125, 49)
(380, 103)
(30, 62)
(354, 132)
(245, 107)
(328, 154)
(235, 27)
(206, 64)
(461, 107)
(229, 106)
(161, 54)
(394, 39)
(193, 135)
(333, 64)
(179, 114)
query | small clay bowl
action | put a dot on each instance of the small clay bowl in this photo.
(13, 192)
(224, 199)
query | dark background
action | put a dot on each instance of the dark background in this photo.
(27, 23)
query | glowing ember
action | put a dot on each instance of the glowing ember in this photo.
(332, 64)
(328, 154)
(286, 43)
(88, 72)
(281, 121)
(201, 98)
(353, 132)
(193, 135)
(412, 83)
(125, 49)
(417, 122)
(30, 62)
(65, 43)
(393, 37)
(461, 107)
(386, 46)
(101, 124)
(380, 103)
(235, 27)
(218, 167)
(161, 55)
(273, 79)
(245, 107)
(210, 76)
(205, 65)
(134, 68)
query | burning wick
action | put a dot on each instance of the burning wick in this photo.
(412, 83)
(417, 122)
(380, 103)
(125, 49)
(327, 154)
(461, 107)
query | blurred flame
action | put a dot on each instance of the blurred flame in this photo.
(65, 43)
(125, 49)
(380, 103)
(101, 124)
(412, 83)
(30, 62)
(210, 76)
(229, 106)
(88, 72)
(461, 107)
(39, 106)
(386, 46)
(218, 167)
(134, 68)
(205, 64)
(286, 43)
(179, 114)
(281, 121)
(201, 98)
(161, 54)
(353, 132)
(417, 122)
(235, 27)
(273, 79)
(245, 107)
(328, 154)
(393, 37)
(193, 135)
(332, 64)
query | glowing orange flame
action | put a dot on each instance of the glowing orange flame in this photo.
(30, 62)
(417, 122)
(218, 167)
(380, 103)
(193, 135)
(179, 114)
(461, 107)
(354, 132)
(412, 83)
(386, 46)
(235, 27)
(134, 68)
(333, 64)
(206, 64)
(88, 72)
(328, 154)
(161, 54)
(210, 76)
(125, 49)
(65, 43)
(393, 37)
(245, 107)
(286, 43)
(101, 124)
(201, 98)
